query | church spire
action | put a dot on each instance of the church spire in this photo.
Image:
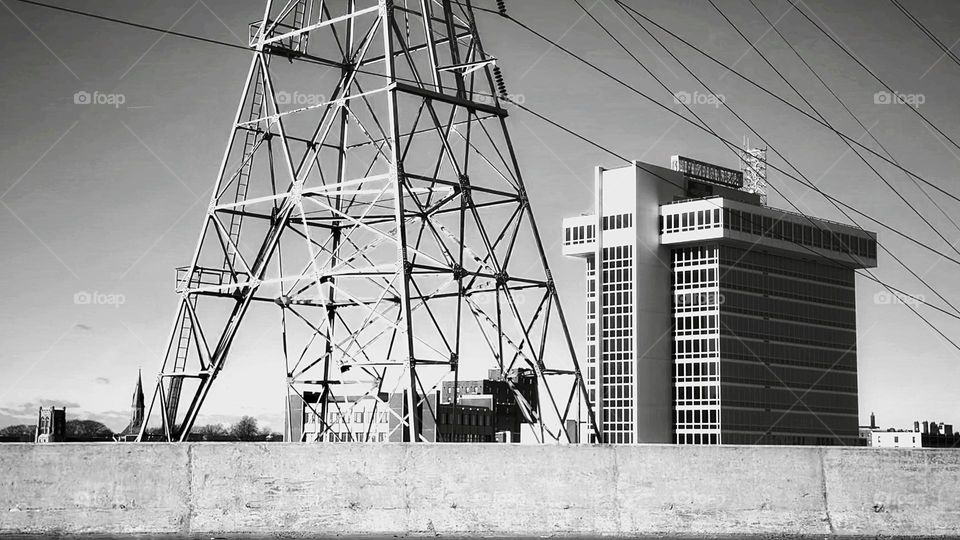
(137, 411)
(137, 402)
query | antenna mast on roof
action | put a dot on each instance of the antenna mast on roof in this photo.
(753, 163)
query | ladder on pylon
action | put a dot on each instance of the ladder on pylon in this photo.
(250, 142)
(185, 334)
(299, 21)
(293, 18)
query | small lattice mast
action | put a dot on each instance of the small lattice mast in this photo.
(753, 163)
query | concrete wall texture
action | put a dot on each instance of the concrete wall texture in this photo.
(300, 489)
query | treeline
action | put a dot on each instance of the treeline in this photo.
(245, 429)
(76, 430)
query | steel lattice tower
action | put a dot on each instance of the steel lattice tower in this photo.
(386, 223)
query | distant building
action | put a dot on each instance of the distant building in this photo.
(132, 430)
(866, 432)
(939, 435)
(507, 412)
(712, 318)
(486, 410)
(896, 439)
(350, 418)
(473, 420)
(933, 435)
(51, 425)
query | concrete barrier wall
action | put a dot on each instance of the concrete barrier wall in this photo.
(476, 489)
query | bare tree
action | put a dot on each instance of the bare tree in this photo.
(245, 429)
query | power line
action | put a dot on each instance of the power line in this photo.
(722, 139)
(869, 275)
(946, 50)
(872, 74)
(554, 123)
(867, 163)
(840, 101)
(781, 99)
(654, 173)
(807, 102)
(522, 25)
(851, 113)
(134, 24)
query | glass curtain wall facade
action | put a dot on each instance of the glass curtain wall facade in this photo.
(765, 333)
(696, 343)
(789, 345)
(617, 364)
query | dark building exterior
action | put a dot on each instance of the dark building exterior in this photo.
(713, 318)
(939, 435)
(474, 419)
(507, 411)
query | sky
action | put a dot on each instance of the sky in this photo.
(99, 202)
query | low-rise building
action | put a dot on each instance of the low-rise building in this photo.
(365, 418)
(896, 439)
(500, 390)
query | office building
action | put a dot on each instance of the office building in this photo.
(896, 439)
(712, 318)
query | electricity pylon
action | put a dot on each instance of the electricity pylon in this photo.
(378, 220)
